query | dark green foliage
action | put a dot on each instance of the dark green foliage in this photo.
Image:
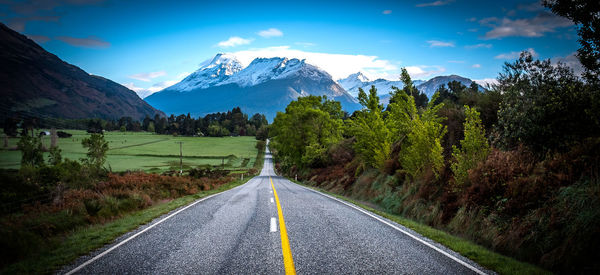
(263, 132)
(544, 106)
(585, 14)
(302, 134)
(95, 126)
(55, 157)
(62, 134)
(31, 151)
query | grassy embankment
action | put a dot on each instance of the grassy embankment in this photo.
(479, 254)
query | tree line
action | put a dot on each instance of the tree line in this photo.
(230, 123)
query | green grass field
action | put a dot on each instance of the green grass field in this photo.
(151, 152)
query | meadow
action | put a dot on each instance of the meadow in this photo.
(150, 152)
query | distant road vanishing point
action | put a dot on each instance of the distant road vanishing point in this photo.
(271, 225)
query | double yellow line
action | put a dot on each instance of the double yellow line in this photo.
(288, 261)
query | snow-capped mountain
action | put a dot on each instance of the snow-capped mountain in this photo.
(353, 82)
(219, 69)
(266, 85)
(430, 86)
(359, 80)
(383, 86)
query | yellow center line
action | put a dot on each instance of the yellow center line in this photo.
(288, 261)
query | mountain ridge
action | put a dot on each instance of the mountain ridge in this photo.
(35, 82)
(266, 85)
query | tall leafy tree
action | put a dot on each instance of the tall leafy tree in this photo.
(424, 149)
(31, 151)
(373, 138)
(473, 148)
(97, 148)
(308, 127)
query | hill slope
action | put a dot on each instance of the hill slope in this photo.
(37, 83)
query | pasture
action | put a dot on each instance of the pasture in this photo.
(150, 152)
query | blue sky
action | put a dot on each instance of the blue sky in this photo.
(148, 45)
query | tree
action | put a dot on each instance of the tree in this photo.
(305, 131)
(94, 126)
(424, 149)
(544, 106)
(150, 127)
(262, 133)
(410, 89)
(585, 14)
(473, 148)
(373, 138)
(97, 148)
(31, 151)
(55, 157)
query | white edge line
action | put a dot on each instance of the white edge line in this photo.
(401, 230)
(139, 233)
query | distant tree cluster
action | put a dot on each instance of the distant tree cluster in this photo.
(230, 123)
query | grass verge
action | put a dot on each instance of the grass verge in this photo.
(87, 239)
(479, 254)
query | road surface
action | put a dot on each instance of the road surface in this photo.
(271, 225)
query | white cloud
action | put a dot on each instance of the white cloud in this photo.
(305, 44)
(537, 26)
(476, 66)
(486, 82)
(422, 71)
(571, 61)
(338, 65)
(272, 32)
(156, 87)
(477, 46)
(234, 41)
(387, 12)
(434, 4)
(515, 55)
(148, 76)
(437, 43)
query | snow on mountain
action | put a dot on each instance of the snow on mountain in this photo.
(264, 69)
(219, 69)
(353, 81)
(359, 80)
(266, 85)
(430, 86)
(383, 86)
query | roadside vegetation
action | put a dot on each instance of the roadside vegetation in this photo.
(55, 208)
(514, 168)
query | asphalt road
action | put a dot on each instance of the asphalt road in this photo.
(239, 232)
